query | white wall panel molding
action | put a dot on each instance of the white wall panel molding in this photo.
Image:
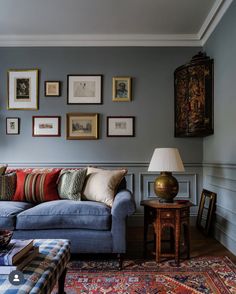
(225, 238)
(80, 164)
(145, 40)
(187, 186)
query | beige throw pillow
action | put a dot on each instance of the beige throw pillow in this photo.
(101, 185)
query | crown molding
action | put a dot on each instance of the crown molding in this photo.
(187, 40)
(118, 40)
(213, 18)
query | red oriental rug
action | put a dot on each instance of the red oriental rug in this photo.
(198, 275)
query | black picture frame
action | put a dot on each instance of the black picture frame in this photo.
(76, 94)
(57, 90)
(206, 211)
(13, 129)
(127, 126)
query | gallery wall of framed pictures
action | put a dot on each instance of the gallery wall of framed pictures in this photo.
(23, 94)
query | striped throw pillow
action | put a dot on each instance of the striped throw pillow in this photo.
(36, 187)
(7, 186)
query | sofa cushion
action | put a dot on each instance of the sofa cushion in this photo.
(101, 185)
(8, 212)
(71, 183)
(67, 214)
(7, 186)
(36, 187)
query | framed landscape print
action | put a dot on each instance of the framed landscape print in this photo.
(121, 89)
(52, 89)
(84, 89)
(46, 126)
(82, 126)
(12, 125)
(23, 89)
(120, 126)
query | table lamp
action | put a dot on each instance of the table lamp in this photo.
(166, 161)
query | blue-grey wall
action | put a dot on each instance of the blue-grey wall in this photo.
(152, 105)
(220, 149)
(151, 70)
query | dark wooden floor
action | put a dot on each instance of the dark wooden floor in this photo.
(200, 245)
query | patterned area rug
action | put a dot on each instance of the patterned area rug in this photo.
(198, 275)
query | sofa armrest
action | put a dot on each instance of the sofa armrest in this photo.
(123, 204)
(122, 207)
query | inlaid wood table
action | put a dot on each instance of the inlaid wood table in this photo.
(170, 219)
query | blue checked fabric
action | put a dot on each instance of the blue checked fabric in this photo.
(43, 272)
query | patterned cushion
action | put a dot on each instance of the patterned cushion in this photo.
(101, 185)
(2, 169)
(71, 183)
(36, 187)
(7, 186)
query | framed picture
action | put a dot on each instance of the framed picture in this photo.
(120, 126)
(23, 89)
(194, 97)
(121, 89)
(46, 126)
(206, 211)
(52, 89)
(84, 89)
(12, 125)
(82, 126)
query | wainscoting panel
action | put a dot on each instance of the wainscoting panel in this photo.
(221, 179)
(187, 186)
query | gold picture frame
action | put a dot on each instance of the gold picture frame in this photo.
(22, 89)
(82, 126)
(121, 89)
(206, 211)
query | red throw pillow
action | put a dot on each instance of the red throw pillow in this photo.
(36, 187)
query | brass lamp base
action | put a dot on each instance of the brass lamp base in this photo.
(166, 187)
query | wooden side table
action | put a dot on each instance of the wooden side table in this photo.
(167, 215)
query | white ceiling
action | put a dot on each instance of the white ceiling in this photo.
(107, 22)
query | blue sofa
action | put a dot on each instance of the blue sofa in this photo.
(92, 227)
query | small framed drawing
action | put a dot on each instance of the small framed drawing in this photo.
(206, 211)
(46, 126)
(82, 126)
(23, 89)
(86, 89)
(121, 89)
(12, 125)
(120, 126)
(52, 89)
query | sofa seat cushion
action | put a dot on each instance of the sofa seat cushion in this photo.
(67, 214)
(8, 212)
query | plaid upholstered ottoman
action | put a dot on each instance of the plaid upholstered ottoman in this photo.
(43, 272)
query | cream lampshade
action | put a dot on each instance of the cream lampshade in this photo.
(166, 161)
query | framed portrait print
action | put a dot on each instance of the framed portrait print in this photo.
(23, 89)
(46, 126)
(120, 126)
(206, 211)
(84, 89)
(82, 126)
(121, 89)
(12, 125)
(52, 89)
